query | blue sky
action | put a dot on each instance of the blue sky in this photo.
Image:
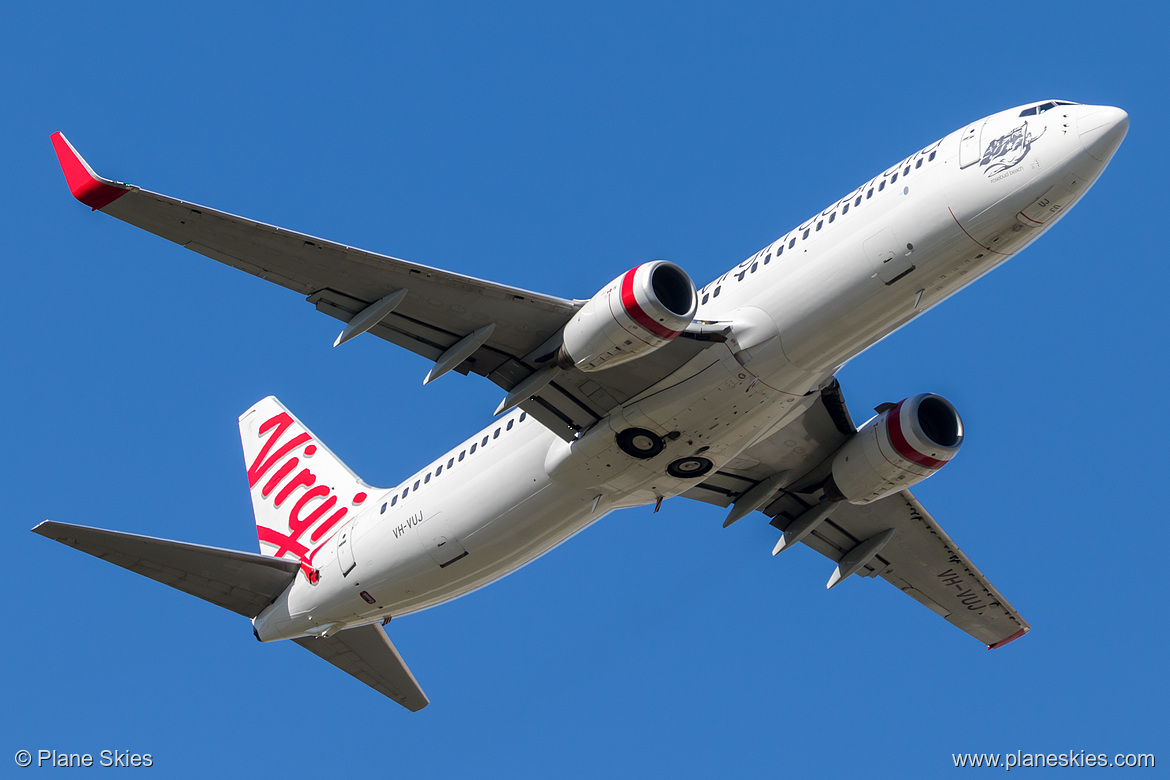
(552, 146)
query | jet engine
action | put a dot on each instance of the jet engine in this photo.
(902, 446)
(633, 315)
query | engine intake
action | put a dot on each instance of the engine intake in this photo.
(633, 315)
(899, 448)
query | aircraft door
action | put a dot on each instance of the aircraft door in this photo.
(345, 556)
(969, 149)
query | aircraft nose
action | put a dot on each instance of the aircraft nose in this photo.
(1102, 129)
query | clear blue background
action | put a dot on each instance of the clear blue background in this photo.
(552, 147)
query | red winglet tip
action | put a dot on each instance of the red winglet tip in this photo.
(86, 186)
(1011, 638)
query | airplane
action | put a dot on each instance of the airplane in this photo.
(648, 390)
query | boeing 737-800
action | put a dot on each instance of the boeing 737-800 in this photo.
(648, 390)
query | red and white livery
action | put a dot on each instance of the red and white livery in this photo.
(648, 390)
(636, 313)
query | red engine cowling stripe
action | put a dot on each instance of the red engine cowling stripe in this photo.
(630, 304)
(902, 447)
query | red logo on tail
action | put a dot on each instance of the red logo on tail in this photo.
(301, 516)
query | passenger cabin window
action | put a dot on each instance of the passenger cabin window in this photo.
(906, 172)
(805, 234)
(427, 478)
(792, 242)
(881, 186)
(416, 484)
(931, 158)
(461, 454)
(450, 463)
(845, 209)
(510, 424)
(383, 509)
(858, 201)
(523, 415)
(394, 501)
(439, 470)
(472, 450)
(832, 217)
(869, 194)
(919, 163)
(820, 224)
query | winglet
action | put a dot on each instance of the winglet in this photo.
(1011, 638)
(86, 186)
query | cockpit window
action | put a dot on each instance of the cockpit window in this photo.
(1040, 109)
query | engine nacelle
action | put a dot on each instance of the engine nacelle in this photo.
(633, 315)
(900, 447)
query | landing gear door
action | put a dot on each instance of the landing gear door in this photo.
(969, 145)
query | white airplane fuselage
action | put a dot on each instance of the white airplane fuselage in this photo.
(799, 308)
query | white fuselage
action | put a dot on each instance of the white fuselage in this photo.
(800, 308)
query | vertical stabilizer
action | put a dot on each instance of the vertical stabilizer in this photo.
(301, 492)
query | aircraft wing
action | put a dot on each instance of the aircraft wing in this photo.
(919, 558)
(368, 654)
(500, 332)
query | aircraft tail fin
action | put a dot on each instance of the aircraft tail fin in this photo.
(243, 582)
(301, 491)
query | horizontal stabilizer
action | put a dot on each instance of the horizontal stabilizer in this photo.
(368, 654)
(243, 582)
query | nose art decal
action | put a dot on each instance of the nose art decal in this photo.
(1008, 150)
